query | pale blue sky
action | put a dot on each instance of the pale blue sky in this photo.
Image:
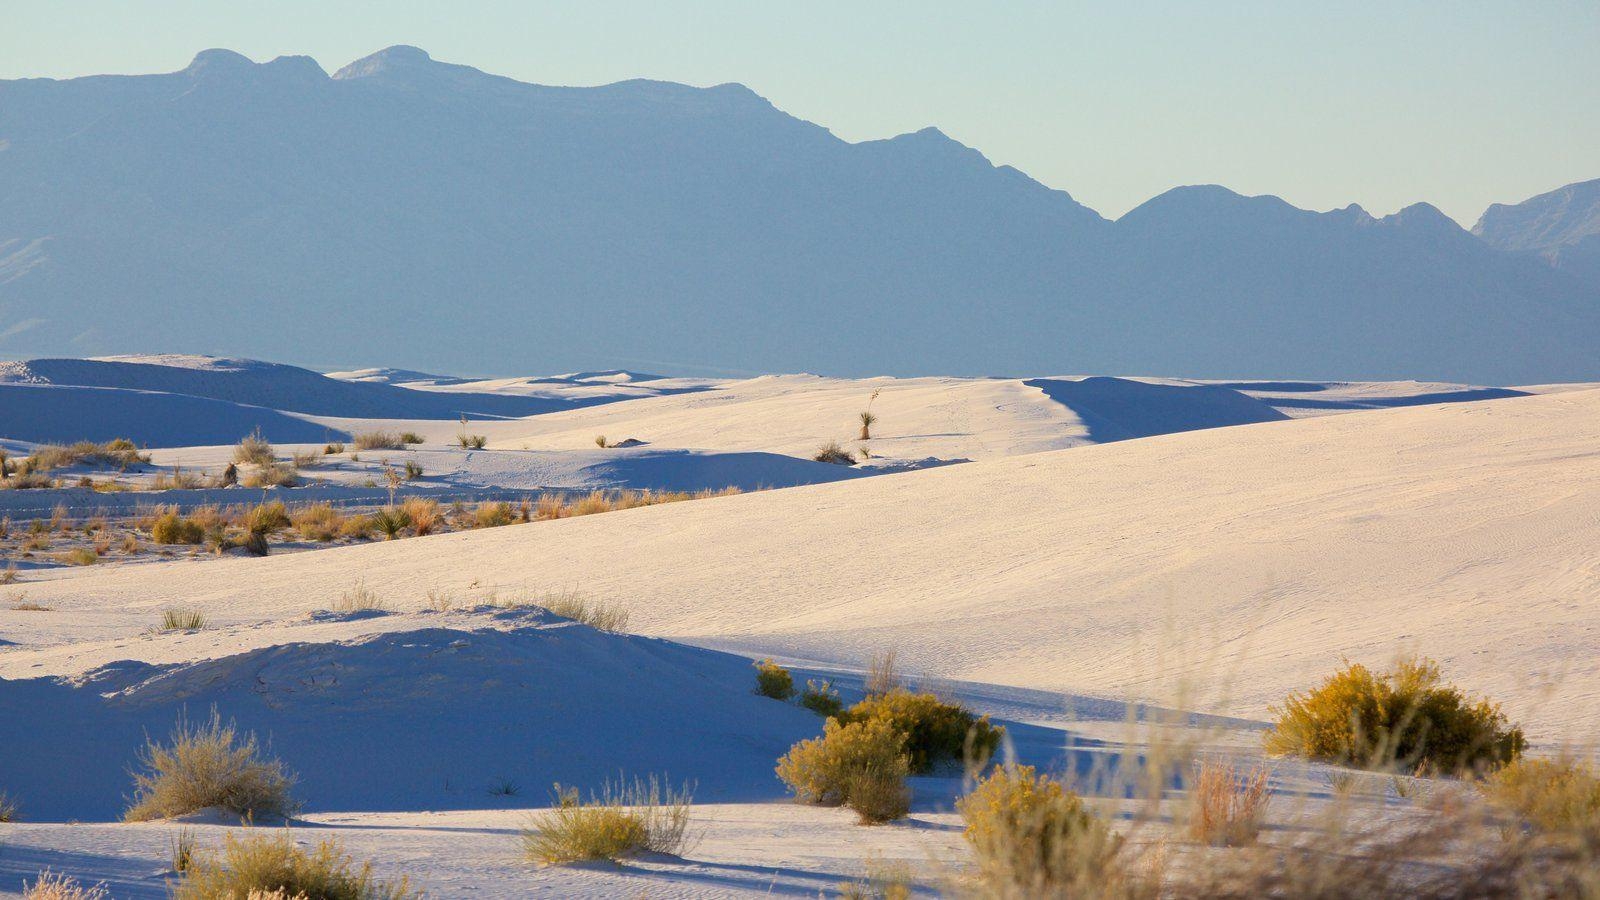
(1383, 104)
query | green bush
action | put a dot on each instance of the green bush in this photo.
(821, 698)
(773, 680)
(1406, 719)
(262, 865)
(852, 765)
(171, 528)
(934, 730)
(1031, 837)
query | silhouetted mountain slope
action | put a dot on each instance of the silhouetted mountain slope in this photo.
(1562, 226)
(458, 220)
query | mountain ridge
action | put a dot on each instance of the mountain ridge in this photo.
(675, 227)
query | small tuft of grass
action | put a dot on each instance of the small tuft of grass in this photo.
(413, 470)
(55, 886)
(182, 620)
(596, 614)
(318, 522)
(273, 475)
(378, 440)
(332, 449)
(493, 515)
(80, 556)
(882, 675)
(209, 765)
(360, 598)
(1227, 804)
(773, 680)
(8, 808)
(411, 437)
(272, 866)
(423, 513)
(622, 820)
(182, 848)
(831, 452)
(171, 528)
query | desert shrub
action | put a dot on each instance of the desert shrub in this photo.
(848, 758)
(423, 513)
(358, 527)
(413, 470)
(377, 440)
(309, 459)
(1031, 837)
(1227, 805)
(831, 452)
(411, 437)
(263, 865)
(623, 819)
(591, 503)
(878, 793)
(1406, 719)
(821, 698)
(182, 620)
(318, 522)
(120, 452)
(171, 528)
(773, 680)
(266, 518)
(390, 522)
(1552, 796)
(472, 441)
(273, 475)
(254, 449)
(55, 886)
(600, 441)
(25, 481)
(934, 730)
(333, 449)
(209, 765)
(80, 556)
(8, 807)
(359, 598)
(598, 614)
(493, 515)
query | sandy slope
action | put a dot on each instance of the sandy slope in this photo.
(1467, 531)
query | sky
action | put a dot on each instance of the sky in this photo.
(1459, 104)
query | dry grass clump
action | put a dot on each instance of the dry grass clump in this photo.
(357, 527)
(54, 886)
(831, 452)
(171, 528)
(378, 440)
(411, 437)
(120, 452)
(773, 680)
(25, 481)
(598, 614)
(78, 556)
(273, 475)
(620, 821)
(423, 513)
(1407, 720)
(882, 675)
(182, 620)
(1227, 804)
(881, 881)
(318, 522)
(472, 441)
(1550, 796)
(493, 515)
(333, 448)
(177, 480)
(360, 598)
(254, 449)
(272, 866)
(209, 765)
(862, 765)
(8, 808)
(310, 459)
(935, 730)
(1032, 837)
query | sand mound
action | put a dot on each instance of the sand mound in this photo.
(436, 712)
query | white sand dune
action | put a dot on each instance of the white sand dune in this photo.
(1465, 531)
(440, 709)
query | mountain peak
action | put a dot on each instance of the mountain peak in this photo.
(219, 59)
(390, 59)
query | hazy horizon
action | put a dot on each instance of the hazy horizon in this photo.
(1379, 106)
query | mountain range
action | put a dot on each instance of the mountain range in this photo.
(430, 215)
